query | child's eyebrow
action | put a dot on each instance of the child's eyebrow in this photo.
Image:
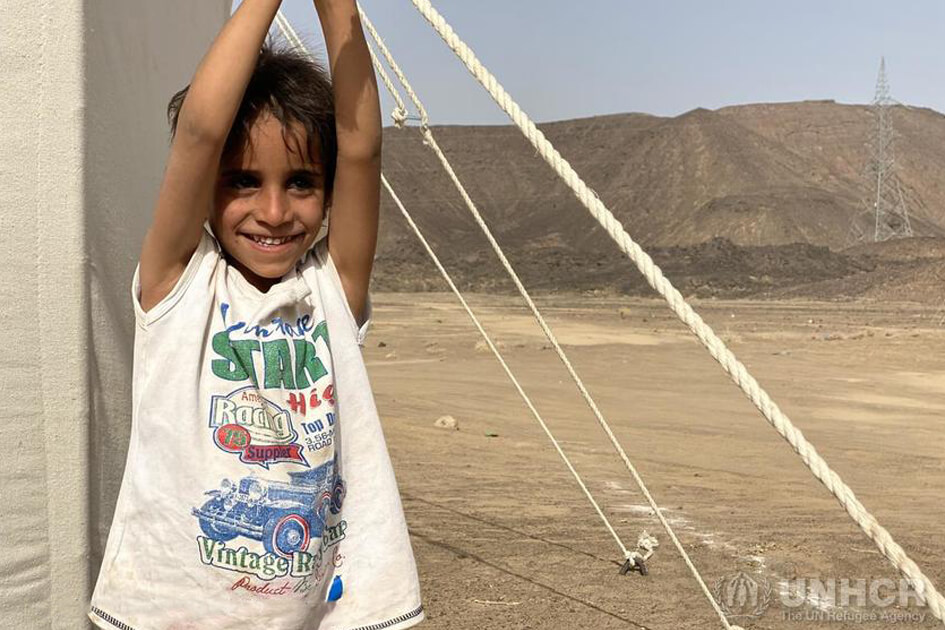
(230, 172)
(311, 169)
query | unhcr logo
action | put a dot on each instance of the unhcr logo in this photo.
(743, 595)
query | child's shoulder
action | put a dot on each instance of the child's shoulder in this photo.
(203, 262)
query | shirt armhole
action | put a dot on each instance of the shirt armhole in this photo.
(324, 258)
(144, 319)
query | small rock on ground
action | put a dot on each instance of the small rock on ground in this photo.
(447, 422)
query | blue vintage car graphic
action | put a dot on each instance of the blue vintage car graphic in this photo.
(285, 516)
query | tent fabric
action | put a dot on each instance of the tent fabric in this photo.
(84, 142)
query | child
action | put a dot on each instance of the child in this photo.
(258, 492)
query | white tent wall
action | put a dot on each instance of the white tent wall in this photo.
(86, 84)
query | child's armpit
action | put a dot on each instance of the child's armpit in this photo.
(360, 327)
(206, 247)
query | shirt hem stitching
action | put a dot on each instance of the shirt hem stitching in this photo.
(113, 621)
(375, 626)
(394, 621)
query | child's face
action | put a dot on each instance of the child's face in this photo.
(269, 203)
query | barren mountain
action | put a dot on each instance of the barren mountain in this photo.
(747, 181)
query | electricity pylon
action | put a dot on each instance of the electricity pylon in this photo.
(890, 215)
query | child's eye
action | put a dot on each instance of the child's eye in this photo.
(303, 182)
(243, 181)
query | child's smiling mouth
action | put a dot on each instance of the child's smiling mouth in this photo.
(271, 243)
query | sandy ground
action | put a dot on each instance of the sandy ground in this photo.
(503, 536)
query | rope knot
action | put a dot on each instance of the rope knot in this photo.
(647, 543)
(400, 117)
(636, 561)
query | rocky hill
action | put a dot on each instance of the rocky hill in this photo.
(746, 200)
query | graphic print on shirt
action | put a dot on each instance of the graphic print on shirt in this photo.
(281, 415)
(254, 427)
(293, 358)
(286, 517)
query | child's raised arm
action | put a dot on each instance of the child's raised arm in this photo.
(352, 232)
(203, 124)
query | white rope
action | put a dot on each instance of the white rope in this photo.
(887, 545)
(288, 32)
(424, 118)
(505, 366)
(400, 111)
(431, 142)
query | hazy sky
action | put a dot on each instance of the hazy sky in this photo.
(564, 59)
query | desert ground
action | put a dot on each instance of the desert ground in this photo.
(503, 536)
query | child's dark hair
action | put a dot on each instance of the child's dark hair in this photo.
(292, 87)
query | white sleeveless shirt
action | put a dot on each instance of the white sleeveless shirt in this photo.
(258, 492)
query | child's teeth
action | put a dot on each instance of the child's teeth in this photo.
(265, 240)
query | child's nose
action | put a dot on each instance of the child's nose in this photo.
(274, 206)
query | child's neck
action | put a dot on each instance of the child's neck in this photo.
(261, 283)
